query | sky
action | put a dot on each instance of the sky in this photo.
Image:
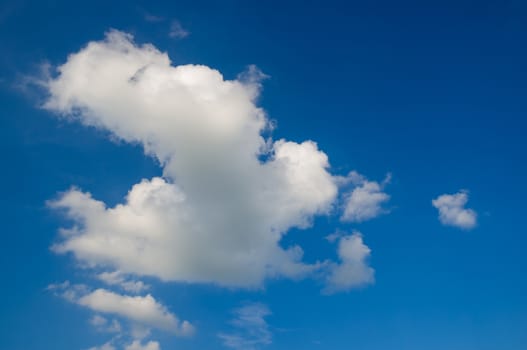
(263, 175)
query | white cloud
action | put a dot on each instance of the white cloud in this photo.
(219, 213)
(142, 309)
(136, 345)
(353, 271)
(452, 211)
(365, 201)
(177, 31)
(116, 278)
(250, 328)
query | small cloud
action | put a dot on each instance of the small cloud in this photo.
(452, 211)
(365, 201)
(177, 31)
(145, 310)
(142, 310)
(353, 271)
(251, 330)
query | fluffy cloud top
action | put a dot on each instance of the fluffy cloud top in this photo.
(250, 328)
(353, 270)
(452, 211)
(365, 201)
(219, 212)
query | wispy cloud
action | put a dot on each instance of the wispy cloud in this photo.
(152, 18)
(177, 31)
(250, 329)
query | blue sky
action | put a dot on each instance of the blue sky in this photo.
(409, 101)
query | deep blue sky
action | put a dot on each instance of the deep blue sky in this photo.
(432, 91)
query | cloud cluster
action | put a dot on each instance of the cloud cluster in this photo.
(225, 199)
(219, 212)
(250, 328)
(452, 211)
(365, 201)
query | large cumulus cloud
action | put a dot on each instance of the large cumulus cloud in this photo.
(218, 213)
